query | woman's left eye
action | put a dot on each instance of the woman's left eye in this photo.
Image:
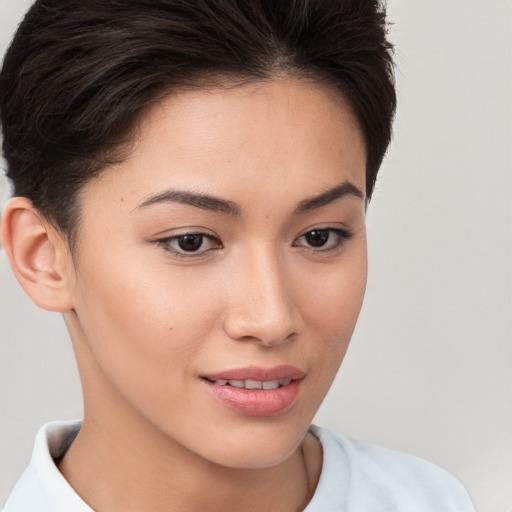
(190, 244)
(323, 239)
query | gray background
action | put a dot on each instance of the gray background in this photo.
(429, 370)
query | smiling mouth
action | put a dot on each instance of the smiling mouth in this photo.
(253, 384)
(252, 397)
(256, 391)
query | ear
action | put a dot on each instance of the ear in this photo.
(39, 255)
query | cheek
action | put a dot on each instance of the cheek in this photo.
(335, 296)
(331, 310)
(141, 325)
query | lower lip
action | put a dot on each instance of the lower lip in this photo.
(255, 402)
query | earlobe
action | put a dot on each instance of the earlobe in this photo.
(38, 255)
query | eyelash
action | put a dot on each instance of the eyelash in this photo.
(167, 242)
(341, 237)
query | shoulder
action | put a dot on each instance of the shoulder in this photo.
(362, 476)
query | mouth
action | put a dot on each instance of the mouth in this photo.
(256, 374)
(253, 384)
(256, 391)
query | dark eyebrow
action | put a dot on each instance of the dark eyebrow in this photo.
(203, 201)
(345, 189)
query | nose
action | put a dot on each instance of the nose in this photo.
(262, 306)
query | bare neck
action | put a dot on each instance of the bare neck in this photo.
(113, 471)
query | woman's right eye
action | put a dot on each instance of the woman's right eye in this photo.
(190, 244)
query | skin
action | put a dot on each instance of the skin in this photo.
(147, 322)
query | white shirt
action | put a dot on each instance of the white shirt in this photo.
(356, 477)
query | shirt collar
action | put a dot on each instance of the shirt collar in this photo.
(42, 488)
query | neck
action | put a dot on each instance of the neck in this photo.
(119, 462)
(112, 471)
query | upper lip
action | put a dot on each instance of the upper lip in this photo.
(258, 373)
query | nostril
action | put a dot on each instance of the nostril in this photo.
(268, 334)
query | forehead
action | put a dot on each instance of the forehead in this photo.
(275, 135)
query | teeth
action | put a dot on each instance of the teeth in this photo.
(254, 384)
(237, 383)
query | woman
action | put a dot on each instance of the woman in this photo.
(191, 181)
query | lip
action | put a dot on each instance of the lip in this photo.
(258, 373)
(256, 402)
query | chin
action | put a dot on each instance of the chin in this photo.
(256, 459)
(256, 448)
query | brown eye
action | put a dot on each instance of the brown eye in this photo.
(323, 239)
(190, 243)
(317, 238)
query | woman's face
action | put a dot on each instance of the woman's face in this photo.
(226, 253)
